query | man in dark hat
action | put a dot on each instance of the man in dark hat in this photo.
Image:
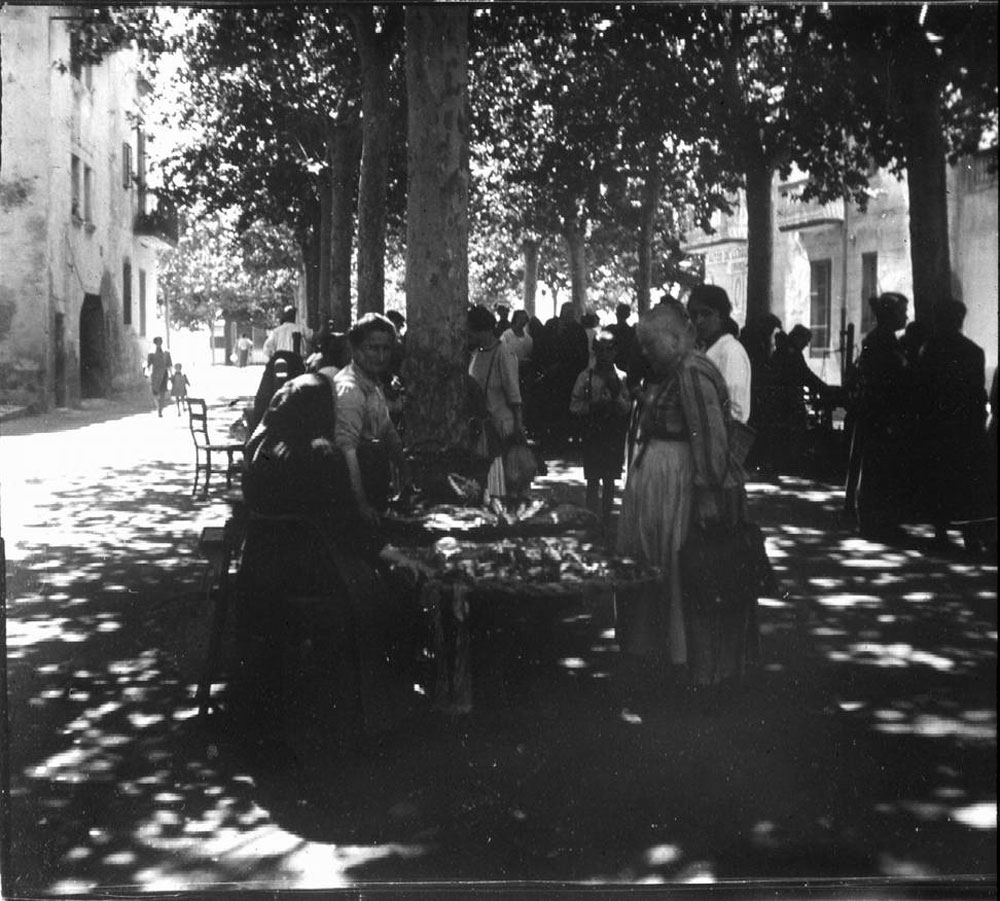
(880, 487)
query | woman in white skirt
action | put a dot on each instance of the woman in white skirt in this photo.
(681, 473)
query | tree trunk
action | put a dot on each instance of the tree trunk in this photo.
(343, 177)
(530, 248)
(325, 248)
(437, 226)
(310, 267)
(376, 52)
(647, 229)
(927, 185)
(760, 237)
(576, 260)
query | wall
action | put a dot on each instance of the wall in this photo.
(51, 257)
(24, 203)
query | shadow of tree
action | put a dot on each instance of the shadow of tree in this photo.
(864, 747)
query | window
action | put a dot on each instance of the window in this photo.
(75, 55)
(126, 165)
(75, 208)
(88, 194)
(819, 306)
(142, 303)
(869, 288)
(127, 292)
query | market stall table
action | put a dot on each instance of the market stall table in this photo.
(501, 577)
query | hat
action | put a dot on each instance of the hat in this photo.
(887, 302)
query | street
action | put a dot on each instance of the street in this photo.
(866, 746)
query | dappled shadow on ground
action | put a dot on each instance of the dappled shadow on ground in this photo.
(864, 747)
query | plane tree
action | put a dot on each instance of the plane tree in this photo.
(272, 108)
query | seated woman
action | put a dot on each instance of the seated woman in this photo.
(308, 568)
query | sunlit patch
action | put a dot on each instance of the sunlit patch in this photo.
(661, 855)
(633, 719)
(78, 853)
(71, 887)
(887, 618)
(850, 600)
(851, 706)
(608, 634)
(883, 562)
(977, 816)
(120, 859)
(700, 872)
(934, 726)
(823, 582)
(918, 597)
(573, 663)
(898, 654)
(772, 602)
(144, 720)
(910, 869)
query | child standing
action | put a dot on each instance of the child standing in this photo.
(178, 387)
(601, 402)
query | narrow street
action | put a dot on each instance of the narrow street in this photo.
(866, 747)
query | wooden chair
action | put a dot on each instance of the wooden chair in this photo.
(204, 447)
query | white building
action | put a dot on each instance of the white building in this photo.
(830, 258)
(80, 233)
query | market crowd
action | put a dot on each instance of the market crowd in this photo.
(683, 403)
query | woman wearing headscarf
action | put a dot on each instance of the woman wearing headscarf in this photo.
(682, 473)
(493, 366)
(710, 311)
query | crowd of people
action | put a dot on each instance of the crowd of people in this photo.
(668, 401)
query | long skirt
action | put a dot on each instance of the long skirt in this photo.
(654, 523)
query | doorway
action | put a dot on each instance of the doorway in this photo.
(93, 348)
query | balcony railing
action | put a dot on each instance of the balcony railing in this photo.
(793, 214)
(158, 220)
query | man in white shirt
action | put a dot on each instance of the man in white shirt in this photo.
(288, 336)
(710, 309)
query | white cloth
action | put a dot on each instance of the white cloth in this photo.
(732, 361)
(281, 339)
(520, 346)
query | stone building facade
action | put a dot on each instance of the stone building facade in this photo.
(830, 258)
(80, 232)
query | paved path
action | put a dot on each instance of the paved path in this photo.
(867, 747)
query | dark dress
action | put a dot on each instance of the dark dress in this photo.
(951, 376)
(315, 609)
(882, 449)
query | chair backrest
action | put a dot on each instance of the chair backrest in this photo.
(198, 420)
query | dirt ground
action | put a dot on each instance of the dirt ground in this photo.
(864, 748)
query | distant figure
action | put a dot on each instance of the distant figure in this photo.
(503, 318)
(243, 347)
(710, 309)
(178, 387)
(159, 365)
(951, 386)
(759, 337)
(880, 486)
(600, 401)
(912, 342)
(564, 356)
(518, 340)
(624, 336)
(288, 336)
(494, 368)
